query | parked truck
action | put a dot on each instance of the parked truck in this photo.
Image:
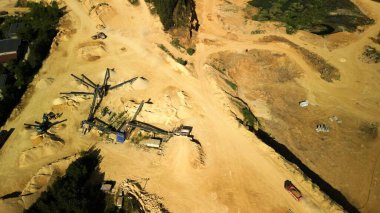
(288, 185)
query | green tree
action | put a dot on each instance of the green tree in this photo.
(77, 191)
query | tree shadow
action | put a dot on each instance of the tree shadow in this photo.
(78, 190)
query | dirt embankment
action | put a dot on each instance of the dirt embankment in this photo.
(327, 71)
(268, 81)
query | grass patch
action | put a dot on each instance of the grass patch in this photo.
(179, 60)
(370, 130)
(175, 42)
(218, 65)
(231, 84)
(249, 118)
(256, 32)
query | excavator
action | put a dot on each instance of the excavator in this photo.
(43, 127)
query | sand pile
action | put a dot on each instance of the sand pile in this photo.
(167, 110)
(91, 51)
(47, 148)
(99, 9)
(65, 30)
(140, 83)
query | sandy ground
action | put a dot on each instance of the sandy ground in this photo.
(239, 173)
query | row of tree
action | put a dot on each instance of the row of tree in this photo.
(38, 32)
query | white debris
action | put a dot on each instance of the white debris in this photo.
(335, 118)
(304, 103)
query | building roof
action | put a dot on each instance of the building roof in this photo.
(106, 187)
(9, 45)
(13, 29)
(3, 79)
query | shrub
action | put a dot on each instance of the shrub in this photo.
(190, 51)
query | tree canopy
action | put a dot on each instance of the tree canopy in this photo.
(77, 191)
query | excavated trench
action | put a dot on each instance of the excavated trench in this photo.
(281, 149)
(324, 186)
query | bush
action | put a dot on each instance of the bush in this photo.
(181, 61)
(290, 30)
(190, 51)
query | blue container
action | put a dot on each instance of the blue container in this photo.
(120, 137)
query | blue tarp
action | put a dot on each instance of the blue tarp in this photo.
(120, 137)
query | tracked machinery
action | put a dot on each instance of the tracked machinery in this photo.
(43, 126)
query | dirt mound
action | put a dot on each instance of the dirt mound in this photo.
(149, 202)
(44, 177)
(166, 111)
(327, 71)
(48, 147)
(91, 51)
(99, 9)
(140, 83)
(262, 65)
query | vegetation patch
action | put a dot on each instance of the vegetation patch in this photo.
(249, 119)
(38, 32)
(369, 130)
(179, 60)
(219, 65)
(371, 55)
(231, 84)
(377, 38)
(134, 2)
(176, 43)
(256, 32)
(327, 71)
(190, 51)
(317, 16)
(176, 13)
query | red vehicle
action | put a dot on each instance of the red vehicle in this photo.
(288, 185)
